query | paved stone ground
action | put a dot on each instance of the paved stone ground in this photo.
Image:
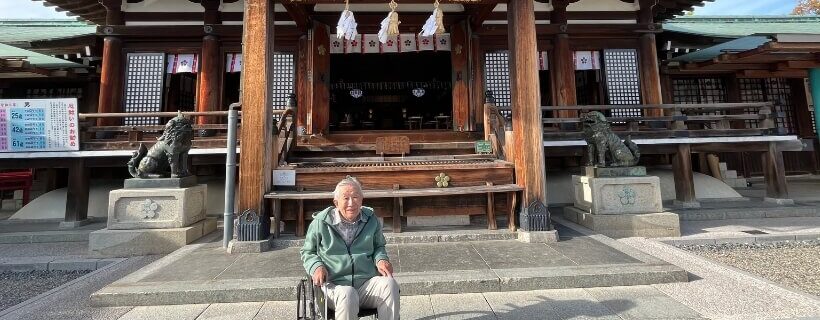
(794, 264)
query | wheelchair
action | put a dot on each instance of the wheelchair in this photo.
(312, 305)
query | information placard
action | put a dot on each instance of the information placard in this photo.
(39, 125)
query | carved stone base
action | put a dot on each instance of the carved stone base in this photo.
(614, 172)
(661, 224)
(140, 242)
(236, 246)
(137, 183)
(622, 195)
(156, 208)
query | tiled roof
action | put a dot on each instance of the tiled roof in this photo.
(740, 26)
(20, 32)
(36, 59)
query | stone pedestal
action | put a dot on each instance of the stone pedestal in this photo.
(621, 195)
(621, 202)
(153, 216)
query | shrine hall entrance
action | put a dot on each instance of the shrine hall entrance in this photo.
(391, 91)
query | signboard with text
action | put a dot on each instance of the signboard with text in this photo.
(39, 125)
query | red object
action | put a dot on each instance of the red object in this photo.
(18, 180)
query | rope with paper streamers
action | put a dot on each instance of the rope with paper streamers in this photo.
(346, 28)
(435, 23)
(390, 24)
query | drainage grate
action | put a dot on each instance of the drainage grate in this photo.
(755, 232)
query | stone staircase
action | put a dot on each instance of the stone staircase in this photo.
(731, 178)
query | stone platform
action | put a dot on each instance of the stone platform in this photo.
(205, 273)
(140, 242)
(650, 225)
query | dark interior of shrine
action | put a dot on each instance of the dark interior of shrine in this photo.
(391, 91)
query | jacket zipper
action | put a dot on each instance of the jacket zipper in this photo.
(352, 262)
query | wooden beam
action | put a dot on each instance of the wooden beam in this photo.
(209, 79)
(774, 172)
(478, 13)
(111, 80)
(684, 179)
(255, 166)
(460, 61)
(76, 208)
(299, 14)
(773, 74)
(527, 134)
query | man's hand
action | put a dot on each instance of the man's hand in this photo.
(320, 276)
(385, 268)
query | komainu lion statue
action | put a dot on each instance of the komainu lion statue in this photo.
(603, 144)
(169, 156)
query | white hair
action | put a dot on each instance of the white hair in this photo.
(347, 181)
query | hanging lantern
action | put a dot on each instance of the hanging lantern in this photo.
(356, 93)
(418, 92)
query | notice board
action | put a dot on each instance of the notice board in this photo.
(39, 125)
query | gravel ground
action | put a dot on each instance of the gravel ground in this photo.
(16, 287)
(794, 264)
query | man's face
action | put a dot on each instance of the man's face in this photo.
(349, 202)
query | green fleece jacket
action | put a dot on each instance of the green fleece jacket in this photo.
(346, 265)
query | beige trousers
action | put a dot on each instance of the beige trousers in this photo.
(381, 293)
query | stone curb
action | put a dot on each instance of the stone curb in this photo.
(739, 240)
(393, 238)
(412, 283)
(44, 236)
(54, 264)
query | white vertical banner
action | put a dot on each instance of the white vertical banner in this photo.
(336, 45)
(407, 42)
(183, 63)
(371, 43)
(354, 45)
(233, 63)
(442, 42)
(391, 44)
(587, 60)
(543, 61)
(426, 43)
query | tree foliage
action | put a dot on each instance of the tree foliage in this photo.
(807, 7)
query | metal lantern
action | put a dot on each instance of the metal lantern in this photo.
(356, 93)
(418, 92)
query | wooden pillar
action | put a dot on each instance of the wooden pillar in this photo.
(303, 89)
(526, 111)
(111, 80)
(209, 79)
(650, 74)
(800, 103)
(76, 206)
(562, 67)
(774, 172)
(318, 110)
(477, 81)
(684, 179)
(814, 83)
(459, 57)
(257, 122)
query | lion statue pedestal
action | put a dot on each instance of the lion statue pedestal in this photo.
(621, 202)
(160, 210)
(614, 196)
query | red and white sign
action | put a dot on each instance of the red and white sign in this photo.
(406, 42)
(233, 63)
(183, 63)
(587, 60)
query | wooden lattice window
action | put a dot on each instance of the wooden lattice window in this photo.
(143, 86)
(497, 77)
(698, 90)
(622, 80)
(283, 82)
(776, 90)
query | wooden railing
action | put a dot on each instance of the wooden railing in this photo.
(285, 132)
(95, 137)
(495, 125)
(679, 120)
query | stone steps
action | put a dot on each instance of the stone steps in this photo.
(731, 178)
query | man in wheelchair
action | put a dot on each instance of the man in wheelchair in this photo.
(345, 250)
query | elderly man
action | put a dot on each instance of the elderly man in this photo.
(344, 248)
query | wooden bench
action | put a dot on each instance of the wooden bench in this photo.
(398, 196)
